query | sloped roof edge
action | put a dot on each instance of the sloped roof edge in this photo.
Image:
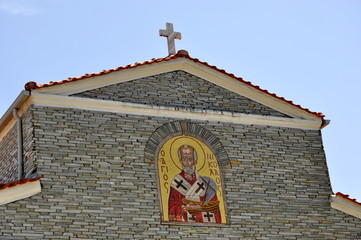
(23, 188)
(346, 196)
(18, 182)
(181, 53)
(344, 203)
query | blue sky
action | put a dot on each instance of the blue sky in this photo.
(304, 50)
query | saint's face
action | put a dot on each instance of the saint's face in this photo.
(187, 160)
(187, 157)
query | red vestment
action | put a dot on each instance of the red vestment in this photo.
(177, 214)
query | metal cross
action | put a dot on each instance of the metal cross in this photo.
(171, 35)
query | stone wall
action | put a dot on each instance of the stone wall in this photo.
(9, 156)
(9, 151)
(179, 89)
(96, 184)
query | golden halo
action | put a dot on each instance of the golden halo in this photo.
(177, 142)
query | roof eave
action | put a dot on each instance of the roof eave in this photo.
(184, 54)
(18, 190)
(345, 204)
(21, 98)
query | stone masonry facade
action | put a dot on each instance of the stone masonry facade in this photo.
(99, 180)
(180, 89)
(97, 185)
(9, 151)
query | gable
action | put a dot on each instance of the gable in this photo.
(179, 89)
(175, 86)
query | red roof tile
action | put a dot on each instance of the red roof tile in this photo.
(19, 182)
(348, 198)
(180, 53)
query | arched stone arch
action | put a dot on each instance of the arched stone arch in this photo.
(177, 128)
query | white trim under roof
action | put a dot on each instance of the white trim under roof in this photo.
(40, 99)
(345, 205)
(19, 191)
(197, 69)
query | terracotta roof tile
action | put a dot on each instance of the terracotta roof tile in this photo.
(180, 53)
(348, 198)
(19, 182)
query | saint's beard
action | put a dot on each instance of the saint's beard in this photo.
(189, 170)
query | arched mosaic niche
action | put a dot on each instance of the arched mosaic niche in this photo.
(189, 160)
(172, 129)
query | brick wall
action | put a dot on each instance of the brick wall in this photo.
(179, 89)
(96, 184)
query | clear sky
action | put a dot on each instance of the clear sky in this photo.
(304, 50)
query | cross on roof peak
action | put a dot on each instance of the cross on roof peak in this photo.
(171, 35)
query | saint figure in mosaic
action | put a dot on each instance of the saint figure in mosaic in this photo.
(190, 182)
(192, 197)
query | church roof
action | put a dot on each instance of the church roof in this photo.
(345, 196)
(23, 188)
(181, 53)
(19, 182)
(344, 203)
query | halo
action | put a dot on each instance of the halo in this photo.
(186, 140)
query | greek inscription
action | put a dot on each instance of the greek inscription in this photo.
(218, 180)
(219, 189)
(165, 177)
(162, 152)
(210, 156)
(166, 186)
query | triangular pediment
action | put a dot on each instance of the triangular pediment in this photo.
(179, 82)
(179, 89)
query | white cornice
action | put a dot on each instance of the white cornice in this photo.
(111, 78)
(8, 120)
(245, 90)
(40, 99)
(19, 191)
(195, 68)
(346, 206)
